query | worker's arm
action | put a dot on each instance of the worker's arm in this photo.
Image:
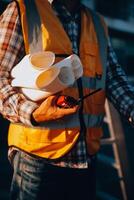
(13, 105)
(118, 90)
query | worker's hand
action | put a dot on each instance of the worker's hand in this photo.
(48, 110)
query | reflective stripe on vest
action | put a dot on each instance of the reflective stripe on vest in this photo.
(73, 122)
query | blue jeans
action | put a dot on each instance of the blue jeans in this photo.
(34, 179)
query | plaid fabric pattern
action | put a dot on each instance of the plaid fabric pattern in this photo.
(15, 107)
(77, 157)
(70, 23)
(118, 89)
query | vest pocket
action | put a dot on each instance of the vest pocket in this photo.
(91, 60)
(98, 98)
(97, 103)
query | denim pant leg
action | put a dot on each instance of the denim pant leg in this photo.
(27, 177)
(34, 179)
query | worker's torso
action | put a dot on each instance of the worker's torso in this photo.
(54, 139)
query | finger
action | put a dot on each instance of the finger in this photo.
(67, 111)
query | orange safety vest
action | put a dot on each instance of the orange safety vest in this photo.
(54, 139)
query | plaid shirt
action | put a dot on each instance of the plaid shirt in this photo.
(15, 107)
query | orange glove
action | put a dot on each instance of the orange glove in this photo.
(48, 110)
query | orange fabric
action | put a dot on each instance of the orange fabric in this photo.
(24, 24)
(48, 144)
(55, 143)
(89, 47)
(54, 37)
(93, 140)
(94, 104)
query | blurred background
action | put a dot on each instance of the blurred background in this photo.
(115, 174)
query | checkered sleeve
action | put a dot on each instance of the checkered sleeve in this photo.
(118, 89)
(13, 105)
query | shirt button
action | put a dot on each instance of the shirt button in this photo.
(98, 76)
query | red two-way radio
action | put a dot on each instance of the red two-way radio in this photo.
(64, 101)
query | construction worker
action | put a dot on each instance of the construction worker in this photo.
(53, 149)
